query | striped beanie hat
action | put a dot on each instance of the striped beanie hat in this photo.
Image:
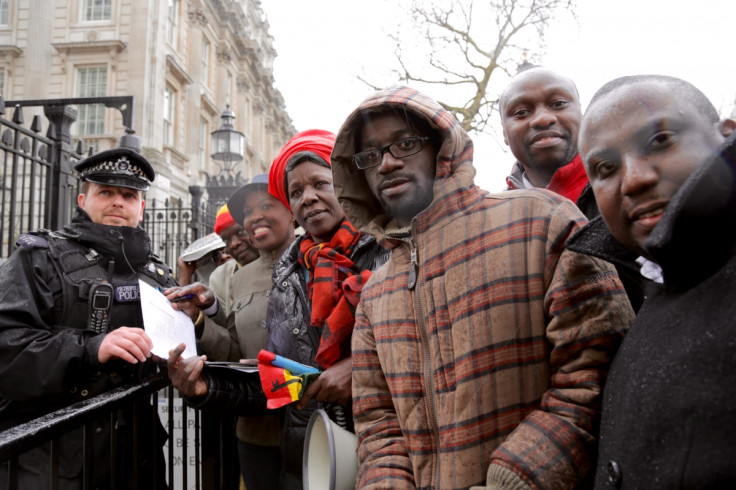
(223, 219)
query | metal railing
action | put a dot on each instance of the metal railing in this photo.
(189, 457)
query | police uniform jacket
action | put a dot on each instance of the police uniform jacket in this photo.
(48, 355)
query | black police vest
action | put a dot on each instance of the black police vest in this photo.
(80, 268)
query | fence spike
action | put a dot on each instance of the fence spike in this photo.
(36, 124)
(2, 105)
(80, 147)
(18, 115)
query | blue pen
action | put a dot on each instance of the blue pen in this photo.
(182, 298)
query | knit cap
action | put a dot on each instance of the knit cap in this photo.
(223, 219)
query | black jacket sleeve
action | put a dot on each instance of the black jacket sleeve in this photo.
(37, 358)
(230, 392)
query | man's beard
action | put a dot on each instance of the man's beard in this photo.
(405, 209)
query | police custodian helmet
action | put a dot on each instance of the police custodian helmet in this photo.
(120, 167)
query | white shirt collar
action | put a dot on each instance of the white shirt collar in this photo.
(650, 270)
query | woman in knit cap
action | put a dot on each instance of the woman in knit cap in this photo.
(317, 284)
(269, 227)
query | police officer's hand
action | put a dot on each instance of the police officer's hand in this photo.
(333, 385)
(129, 344)
(186, 374)
(202, 298)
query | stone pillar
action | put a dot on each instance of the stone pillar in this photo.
(62, 195)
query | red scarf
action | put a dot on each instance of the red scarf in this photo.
(569, 180)
(334, 290)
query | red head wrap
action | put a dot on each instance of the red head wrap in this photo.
(223, 219)
(317, 141)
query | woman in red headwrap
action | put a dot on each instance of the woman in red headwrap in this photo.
(317, 284)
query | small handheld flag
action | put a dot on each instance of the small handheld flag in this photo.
(283, 380)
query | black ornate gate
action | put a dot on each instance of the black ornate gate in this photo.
(38, 188)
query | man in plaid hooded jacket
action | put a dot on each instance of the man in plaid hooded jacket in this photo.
(481, 347)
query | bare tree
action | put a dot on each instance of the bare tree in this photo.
(469, 44)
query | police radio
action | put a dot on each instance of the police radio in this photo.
(100, 303)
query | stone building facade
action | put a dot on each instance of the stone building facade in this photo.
(184, 61)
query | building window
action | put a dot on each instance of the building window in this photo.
(97, 10)
(203, 135)
(91, 82)
(171, 21)
(205, 61)
(4, 12)
(168, 116)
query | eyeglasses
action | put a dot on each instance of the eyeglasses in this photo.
(401, 149)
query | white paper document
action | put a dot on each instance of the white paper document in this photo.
(166, 326)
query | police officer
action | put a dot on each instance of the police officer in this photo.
(70, 319)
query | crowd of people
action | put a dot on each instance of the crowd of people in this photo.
(572, 331)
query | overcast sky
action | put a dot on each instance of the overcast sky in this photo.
(323, 45)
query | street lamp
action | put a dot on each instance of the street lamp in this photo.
(227, 143)
(227, 147)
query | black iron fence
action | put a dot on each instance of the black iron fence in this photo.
(35, 191)
(172, 227)
(38, 188)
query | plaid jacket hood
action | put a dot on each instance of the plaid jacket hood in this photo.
(454, 162)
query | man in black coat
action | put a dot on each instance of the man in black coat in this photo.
(71, 325)
(663, 169)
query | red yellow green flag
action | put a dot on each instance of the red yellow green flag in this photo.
(283, 380)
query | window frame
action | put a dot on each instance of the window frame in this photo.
(104, 8)
(205, 57)
(172, 22)
(202, 146)
(169, 115)
(91, 117)
(4, 13)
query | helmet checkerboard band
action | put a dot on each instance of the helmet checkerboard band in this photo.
(122, 164)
